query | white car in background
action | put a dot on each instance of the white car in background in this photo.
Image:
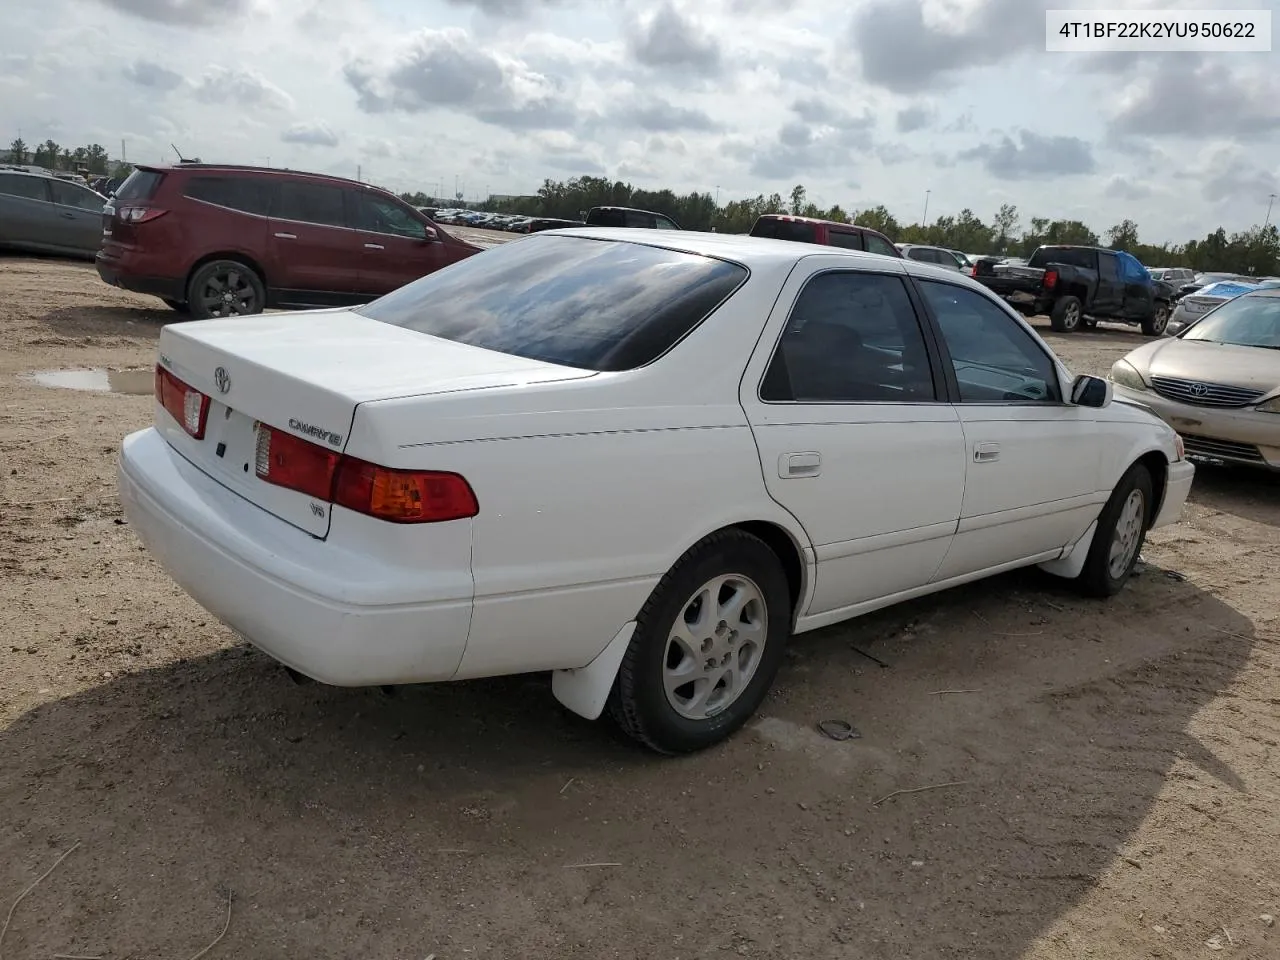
(641, 462)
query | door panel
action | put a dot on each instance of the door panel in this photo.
(77, 215)
(394, 247)
(1109, 298)
(1032, 460)
(852, 439)
(310, 247)
(26, 214)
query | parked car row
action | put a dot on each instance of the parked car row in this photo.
(43, 213)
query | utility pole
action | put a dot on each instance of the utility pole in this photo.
(924, 219)
(359, 170)
(1270, 200)
(717, 196)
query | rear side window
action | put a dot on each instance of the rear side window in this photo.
(29, 188)
(245, 194)
(1085, 259)
(850, 241)
(591, 304)
(140, 185)
(1108, 268)
(786, 230)
(305, 202)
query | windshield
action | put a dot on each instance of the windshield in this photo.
(579, 302)
(1248, 321)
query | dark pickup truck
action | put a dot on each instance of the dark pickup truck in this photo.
(1078, 286)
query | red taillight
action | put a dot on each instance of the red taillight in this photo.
(288, 461)
(974, 271)
(185, 404)
(139, 214)
(399, 496)
(1050, 279)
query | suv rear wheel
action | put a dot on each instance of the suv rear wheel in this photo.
(225, 288)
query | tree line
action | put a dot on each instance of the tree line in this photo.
(90, 159)
(1255, 250)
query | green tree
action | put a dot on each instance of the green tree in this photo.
(1004, 225)
(96, 159)
(797, 199)
(18, 151)
(46, 155)
(880, 219)
(1123, 236)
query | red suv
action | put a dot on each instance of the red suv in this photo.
(829, 233)
(216, 240)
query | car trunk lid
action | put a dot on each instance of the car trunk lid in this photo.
(304, 374)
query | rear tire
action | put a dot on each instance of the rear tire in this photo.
(720, 618)
(225, 288)
(1067, 314)
(1155, 325)
(1121, 531)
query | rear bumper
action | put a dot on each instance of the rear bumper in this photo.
(338, 617)
(115, 273)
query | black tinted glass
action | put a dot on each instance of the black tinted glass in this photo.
(139, 185)
(785, 230)
(71, 195)
(29, 188)
(850, 241)
(592, 304)
(310, 203)
(851, 337)
(1084, 258)
(237, 193)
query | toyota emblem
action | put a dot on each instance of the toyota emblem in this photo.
(222, 379)
(1199, 389)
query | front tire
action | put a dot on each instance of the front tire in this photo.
(1067, 314)
(1121, 531)
(225, 288)
(1155, 325)
(707, 646)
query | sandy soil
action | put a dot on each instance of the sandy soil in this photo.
(1116, 771)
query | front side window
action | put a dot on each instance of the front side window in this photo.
(664, 224)
(304, 202)
(877, 244)
(851, 337)
(592, 304)
(28, 188)
(379, 215)
(996, 360)
(70, 195)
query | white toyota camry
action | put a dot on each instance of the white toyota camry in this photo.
(638, 459)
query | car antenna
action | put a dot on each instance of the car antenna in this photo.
(181, 158)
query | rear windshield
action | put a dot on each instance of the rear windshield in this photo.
(592, 304)
(785, 230)
(1068, 256)
(139, 185)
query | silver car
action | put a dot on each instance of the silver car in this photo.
(40, 213)
(927, 254)
(1218, 382)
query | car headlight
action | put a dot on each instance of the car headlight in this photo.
(1125, 374)
(1270, 406)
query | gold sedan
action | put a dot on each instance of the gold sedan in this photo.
(1217, 382)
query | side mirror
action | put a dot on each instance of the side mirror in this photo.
(1089, 391)
(429, 233)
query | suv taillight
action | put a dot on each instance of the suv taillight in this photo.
(398, 496)
(139, 214)
(185, 404)
(1050, 279)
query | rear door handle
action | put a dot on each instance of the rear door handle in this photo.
(374, 246)
(287, 236)
(799, 465)
(986, 452)
(69, 216)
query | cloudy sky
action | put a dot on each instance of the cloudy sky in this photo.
(862, 101)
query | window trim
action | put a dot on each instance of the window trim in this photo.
(937, 370)
(948, 365)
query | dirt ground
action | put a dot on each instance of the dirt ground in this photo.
(1110, 771)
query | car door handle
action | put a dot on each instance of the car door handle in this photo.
(374, 246)
(69, 216)
(287, 236)
(986, 452)
(799, 465)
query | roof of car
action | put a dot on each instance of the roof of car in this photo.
(248, 168)
(830, 223)
(748, 250)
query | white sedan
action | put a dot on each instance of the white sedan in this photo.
(639, 461)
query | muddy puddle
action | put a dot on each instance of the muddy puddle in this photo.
(98, 380)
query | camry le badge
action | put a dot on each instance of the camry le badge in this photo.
(222, 379)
